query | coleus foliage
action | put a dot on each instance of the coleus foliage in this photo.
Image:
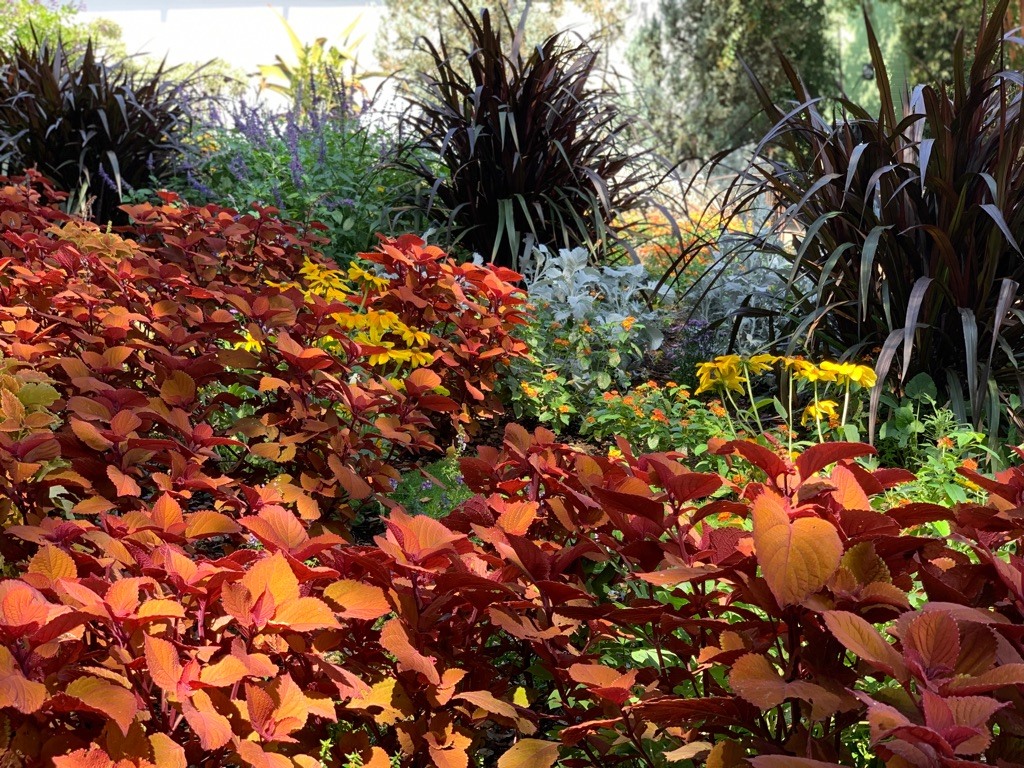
(613, 612)
(176, 602)
(146, 336)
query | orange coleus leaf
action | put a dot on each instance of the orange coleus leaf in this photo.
(102, 696)
(252, 754)
(448, 746)
(755, 679)
(123, 484)
(389, 698)
(167, 754)
(492, 705)
(272, 574)
(395, 640)
(167, 514)
(23, 608)
(354, 484)
(89, 435)
(212, 728)
(515, 517)
(797, 557)
(228, 671)
(164, 664)
(48, 565)
(276, 710)
(124, 423)
(178, 389)
(414, 538)
(357, 600)
(200, 525)
(16, 690)
(604, 682)
(849, 493)
(160, 608)
(304, 614)
(530, 753)
(865, 641)
(277, 528)
(122, 597)
(423, 379)
(93, 757)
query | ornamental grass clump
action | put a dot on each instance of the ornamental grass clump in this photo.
(908, 226)
(97, 127)
(523, 150)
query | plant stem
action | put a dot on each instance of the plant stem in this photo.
(790, 411)
(817, 415)
(753, 405)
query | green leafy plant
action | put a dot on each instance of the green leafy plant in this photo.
(918, 434)
(328, 174)
(522, 150)
(434, 490)
(316, 80)
(25, 21)
(659, 417)
(98, 127)
(590, 330)
(909, 228)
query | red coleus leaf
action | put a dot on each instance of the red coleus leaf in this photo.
(604, 682)
(768, 462)
(817, 457)
(931, 645)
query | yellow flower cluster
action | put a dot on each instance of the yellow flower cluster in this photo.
(730, 372)
(391, 339)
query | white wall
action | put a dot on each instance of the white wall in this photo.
(244, 33)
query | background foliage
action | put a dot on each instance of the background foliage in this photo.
(690, 81)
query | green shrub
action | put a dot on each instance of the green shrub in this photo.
(24, 21)
(590, 330)
(327, 170)
(433, 490)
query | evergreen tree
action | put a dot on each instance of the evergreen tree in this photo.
(688, 59)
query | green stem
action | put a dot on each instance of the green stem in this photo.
(817, 414)
(790, 374)
(753, 405)
(846, 402)
(728, 396)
